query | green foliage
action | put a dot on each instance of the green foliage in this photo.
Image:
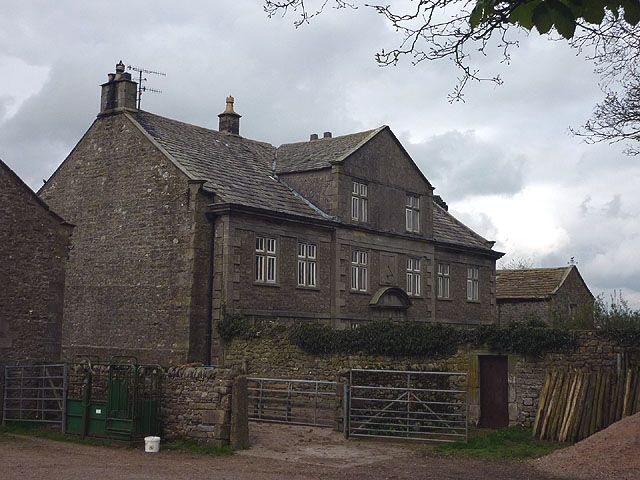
(564, 15)
(429, 340)
(378, 338)
(617, 321)
(191, 446)
(533, 338)
(513, 443)
(234, 325)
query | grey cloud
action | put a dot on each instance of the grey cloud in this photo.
(459, 164)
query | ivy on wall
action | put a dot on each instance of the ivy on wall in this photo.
(430, 340)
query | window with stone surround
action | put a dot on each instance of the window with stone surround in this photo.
(472, 284)
(266, 260)
(306, 265)
(414, 277)
(412, 214)
(359, 270)
(443, 280)
(360, 202)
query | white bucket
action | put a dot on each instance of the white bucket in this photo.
(152, 444)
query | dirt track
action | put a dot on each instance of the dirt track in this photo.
(278, 452)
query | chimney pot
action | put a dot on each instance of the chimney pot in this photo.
(327, 135)
(120, 92)
(313, 136)
(229, 120)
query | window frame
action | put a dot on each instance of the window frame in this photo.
(307, 254)
(359, 202)
(473, 283)
(443, 284)
(359, 270)
(414, 276)
(412, 213)
(265, 260)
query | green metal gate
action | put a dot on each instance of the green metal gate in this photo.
(118, 399)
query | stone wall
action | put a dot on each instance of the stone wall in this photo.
(593, 354)
(33, 252)
(207, 405)
(274, 356)
(140, 240)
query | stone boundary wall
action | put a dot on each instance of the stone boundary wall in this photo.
(208, 405)
(272, 355)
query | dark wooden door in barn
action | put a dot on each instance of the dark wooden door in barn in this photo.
(494, 391)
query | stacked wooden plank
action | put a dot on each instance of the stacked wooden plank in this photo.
(574, 405)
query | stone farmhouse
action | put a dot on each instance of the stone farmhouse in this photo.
(34, 243)
(177, 225)
(550, 294)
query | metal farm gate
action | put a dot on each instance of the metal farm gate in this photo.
(35, 393)
(427, 406)
(296, 402)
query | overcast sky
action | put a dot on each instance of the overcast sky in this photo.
(503, 160)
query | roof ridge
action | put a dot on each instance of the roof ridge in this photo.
(21, 184)
(200, 127)
(323, 139)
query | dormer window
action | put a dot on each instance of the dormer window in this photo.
(412, 214)
(359, 202)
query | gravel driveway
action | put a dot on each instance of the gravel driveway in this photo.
(278, 451)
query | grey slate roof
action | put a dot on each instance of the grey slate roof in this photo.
(237, 169)
(448, 229)
(321, 153)
(530, 283)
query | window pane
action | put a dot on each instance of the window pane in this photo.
(354, 256)
(311, 251)
(417, 288)
(363, 190)
(259, 244)
(446, 288)
(271, 269)
(356, 188)
(311, 274)
(301, 265)
(363, 210)
(415, 224)
(363, 258)
(354, 277)
(416, 202)
(363, 279)
(354, 208)
(408, 221)
(259, 268)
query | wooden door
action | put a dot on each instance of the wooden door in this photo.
(494, 391)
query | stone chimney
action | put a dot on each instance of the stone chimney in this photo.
(313, 136)
(229, 120)
(326, 135)
(119, 93)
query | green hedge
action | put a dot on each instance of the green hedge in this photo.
(430, 340)
(419, 339)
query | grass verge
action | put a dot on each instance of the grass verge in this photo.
(51, 434)
(194, 447)
(29, 429)
(510, 443)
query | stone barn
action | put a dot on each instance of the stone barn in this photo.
(554, 295)
(34, 244)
